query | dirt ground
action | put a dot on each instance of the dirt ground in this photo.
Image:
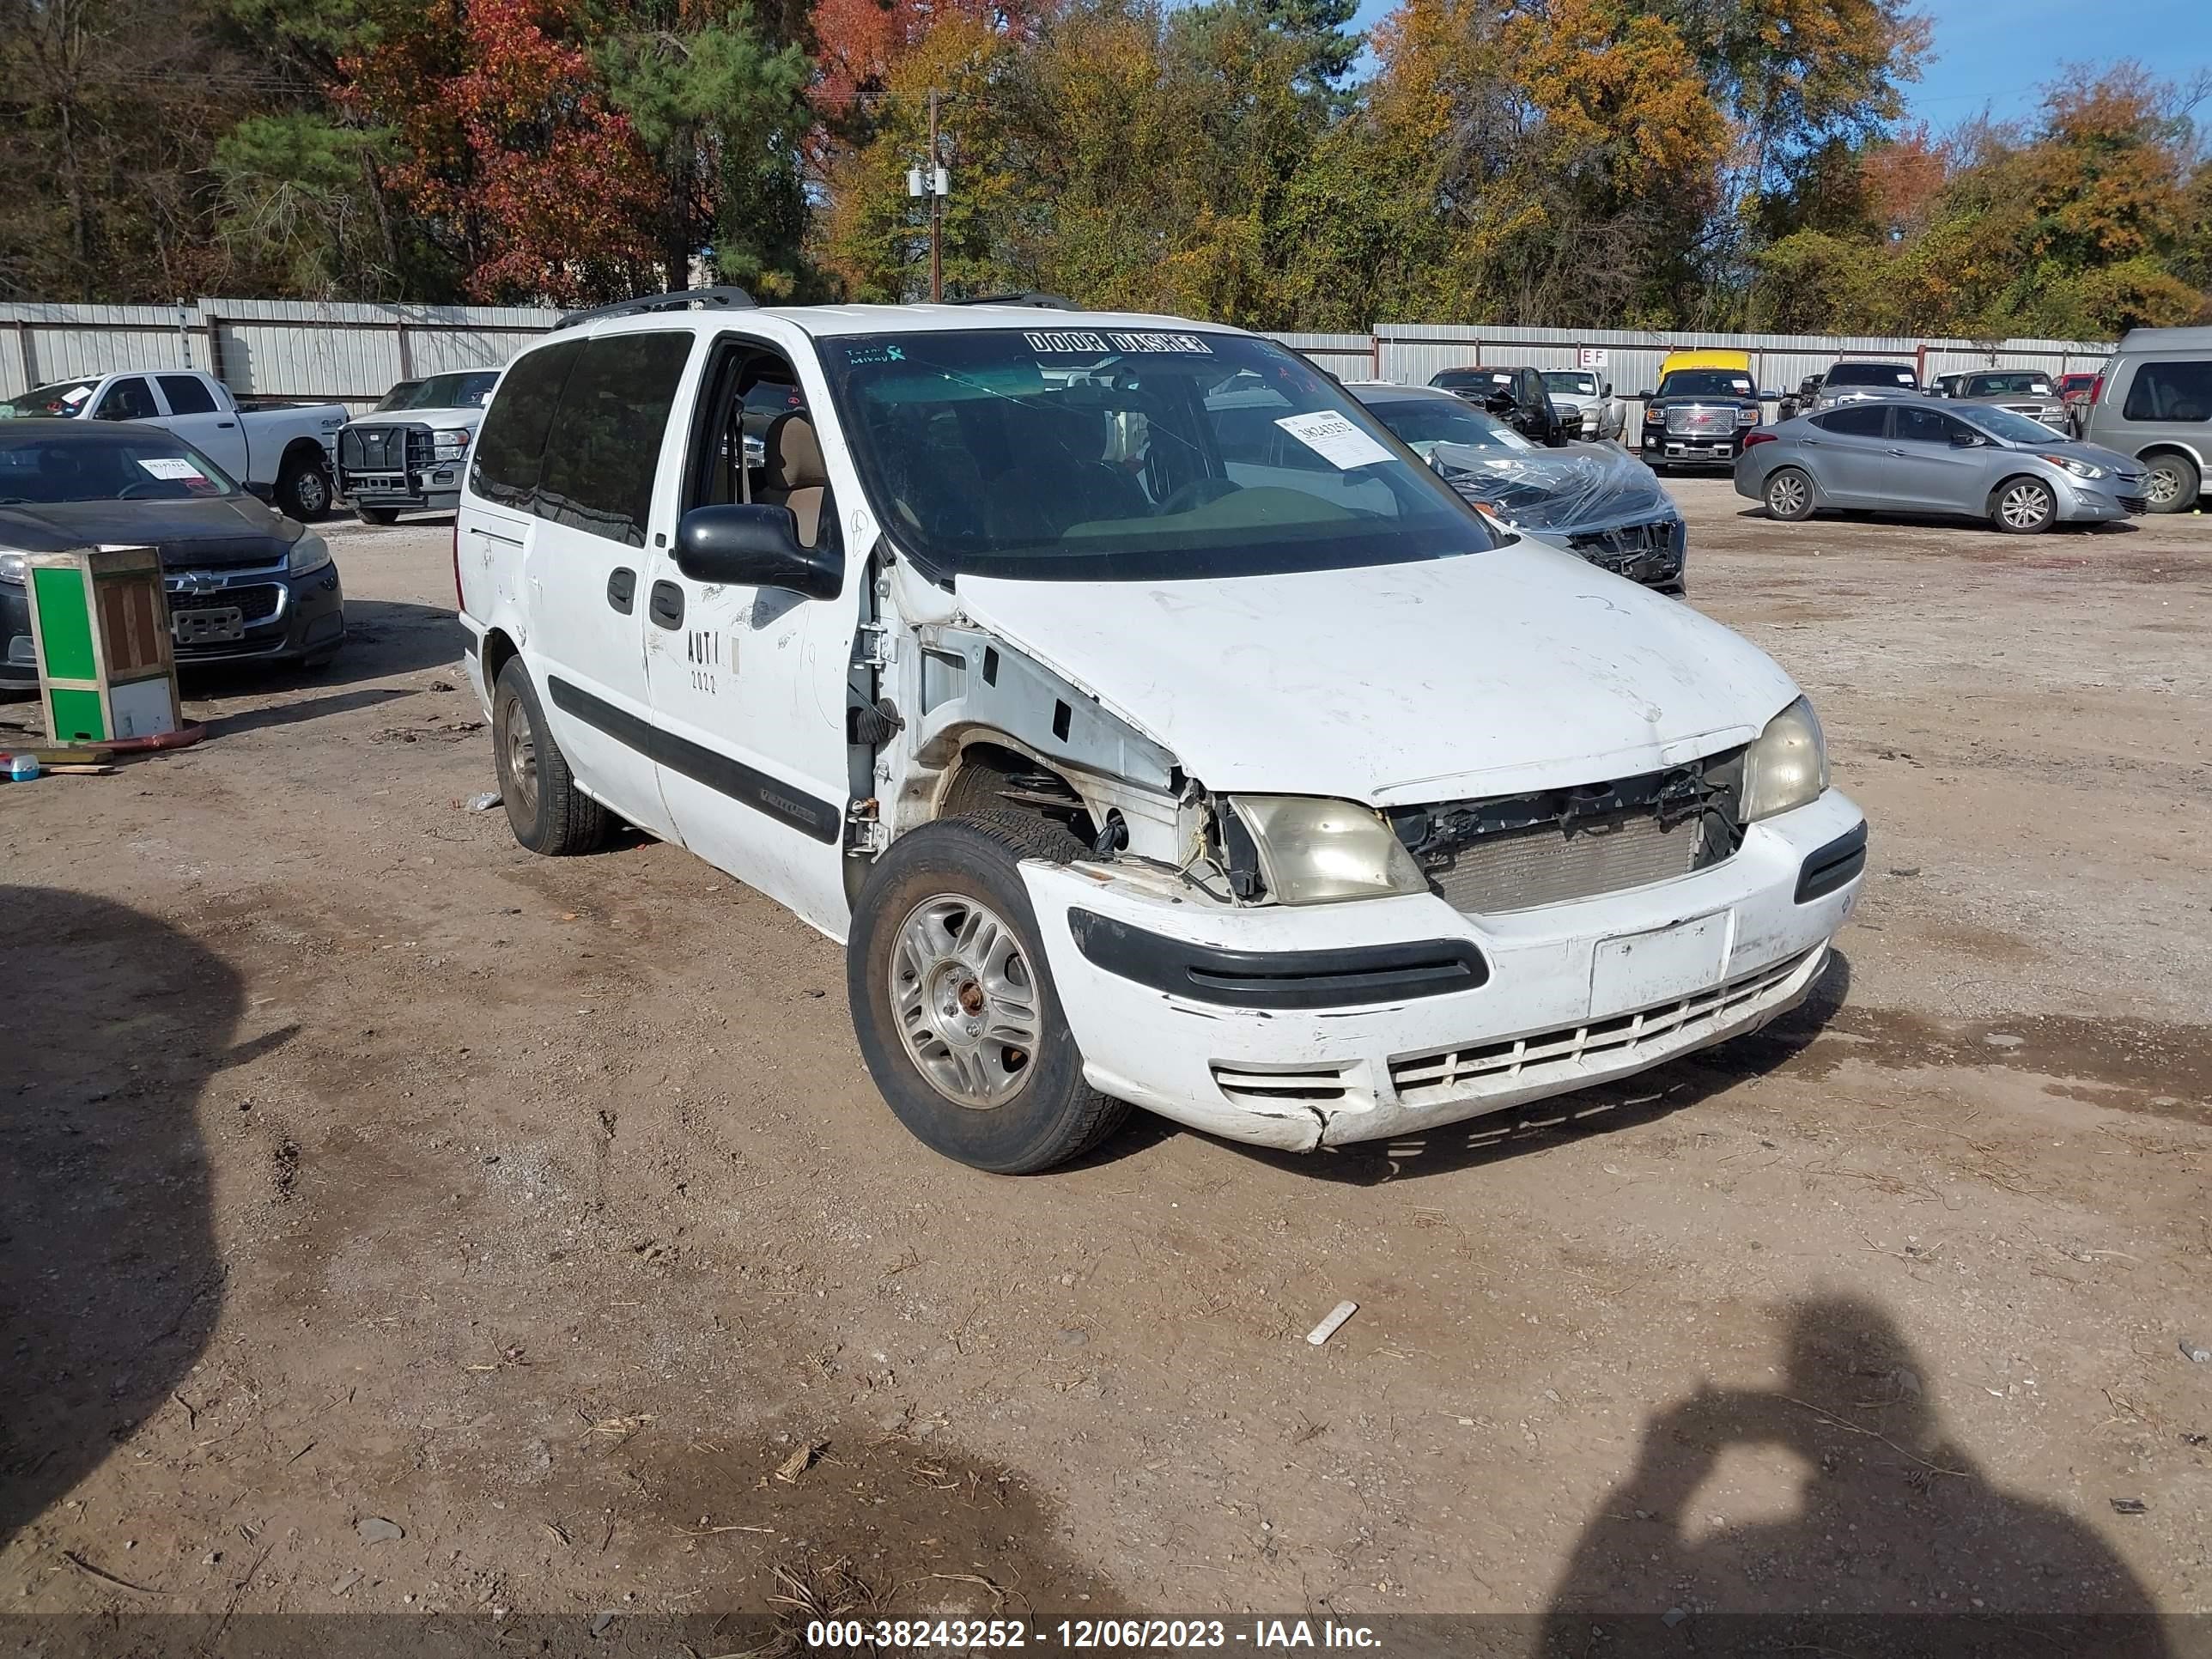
(357, 1167)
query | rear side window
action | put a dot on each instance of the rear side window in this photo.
(186, 396)
(2170, 392)
(604, 446)
(512, 443)
(1855, 420)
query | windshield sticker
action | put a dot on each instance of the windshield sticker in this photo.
(1082, 343)
(1334, 439)
(174, 468)
(76, 395)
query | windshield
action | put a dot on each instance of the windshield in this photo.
(1422, 424)
(471, 389)
(102, 464)
(1572, 382)
(1705, 383)
(1457, 379)
(63, 398)
(2010, 385)
(1872, 374)
(1104, 455)
(2012, 426)
(398, 397)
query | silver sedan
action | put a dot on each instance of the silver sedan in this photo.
(1910, 454)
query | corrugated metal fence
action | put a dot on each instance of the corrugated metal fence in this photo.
(352, 354)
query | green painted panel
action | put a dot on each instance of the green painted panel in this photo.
(75, 715)
(65, 625)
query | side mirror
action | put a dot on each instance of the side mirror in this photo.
(265, 494)
(1645, 396)
(1606, 390)
(754, 545)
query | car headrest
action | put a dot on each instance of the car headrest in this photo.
(794, 454)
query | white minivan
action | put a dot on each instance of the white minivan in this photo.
(1153, 726)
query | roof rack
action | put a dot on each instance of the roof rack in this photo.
(735, 299)
(1046, 301)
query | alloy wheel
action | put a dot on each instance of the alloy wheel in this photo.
(2025, 505)
(965, 1001)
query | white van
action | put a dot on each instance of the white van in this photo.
(1151, 725)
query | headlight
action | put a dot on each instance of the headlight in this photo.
(310, 552)
(1745, 417)
(1318, 852)
(2079, 469)
(454, 442)
(1788, 766)
(11, 568)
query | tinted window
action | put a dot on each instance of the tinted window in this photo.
(2170, 392)
(1919, 425)
(513, 442)
(187, 395)
(1855, 420)
(126, 400)
(1872, 374)
(604, 446)
(1705, 383)
(1099, 455)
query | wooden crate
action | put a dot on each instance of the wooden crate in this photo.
(100, 621)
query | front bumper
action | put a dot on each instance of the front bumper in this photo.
(420, 489)
(1554, 1007)
(281, 616)
(2099, 500)
(1694, 449)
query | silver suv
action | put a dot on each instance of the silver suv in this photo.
(2155, 403)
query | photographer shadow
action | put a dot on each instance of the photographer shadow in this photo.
(1900, 1545)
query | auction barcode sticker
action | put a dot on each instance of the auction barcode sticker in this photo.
(1334, 439)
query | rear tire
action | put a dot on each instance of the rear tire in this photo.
(2024, 507)
(546, 811)
(2172, 483)
(303, 490)
(377, 515)
(953, 1001)
(1789, 495)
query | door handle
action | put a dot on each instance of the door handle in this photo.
(1897, 452)
(226, 425)
(667, 604)
(622, 589)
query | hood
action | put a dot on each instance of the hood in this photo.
(438, 420)
(2095, 454)
(191, 535)
(1582, 485)
(1522, 668)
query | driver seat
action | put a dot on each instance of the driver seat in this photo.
(794, 475)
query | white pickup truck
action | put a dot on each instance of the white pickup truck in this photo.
(283, 447)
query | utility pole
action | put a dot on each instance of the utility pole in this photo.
(936, 212)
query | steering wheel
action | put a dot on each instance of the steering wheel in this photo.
(1198, 492)
(129, 492)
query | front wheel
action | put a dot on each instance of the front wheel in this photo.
(377, 515)
(954, 1004)
(2171, 482)
(2024, 507)
(1789, 495)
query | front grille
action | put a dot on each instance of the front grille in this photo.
(1423, 1079)
(1699, 421)
(257, 602)
(1521, 851)
(1641, 551)
(1247, 1086)
(383, 448)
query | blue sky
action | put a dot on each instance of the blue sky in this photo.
(1995, 53)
